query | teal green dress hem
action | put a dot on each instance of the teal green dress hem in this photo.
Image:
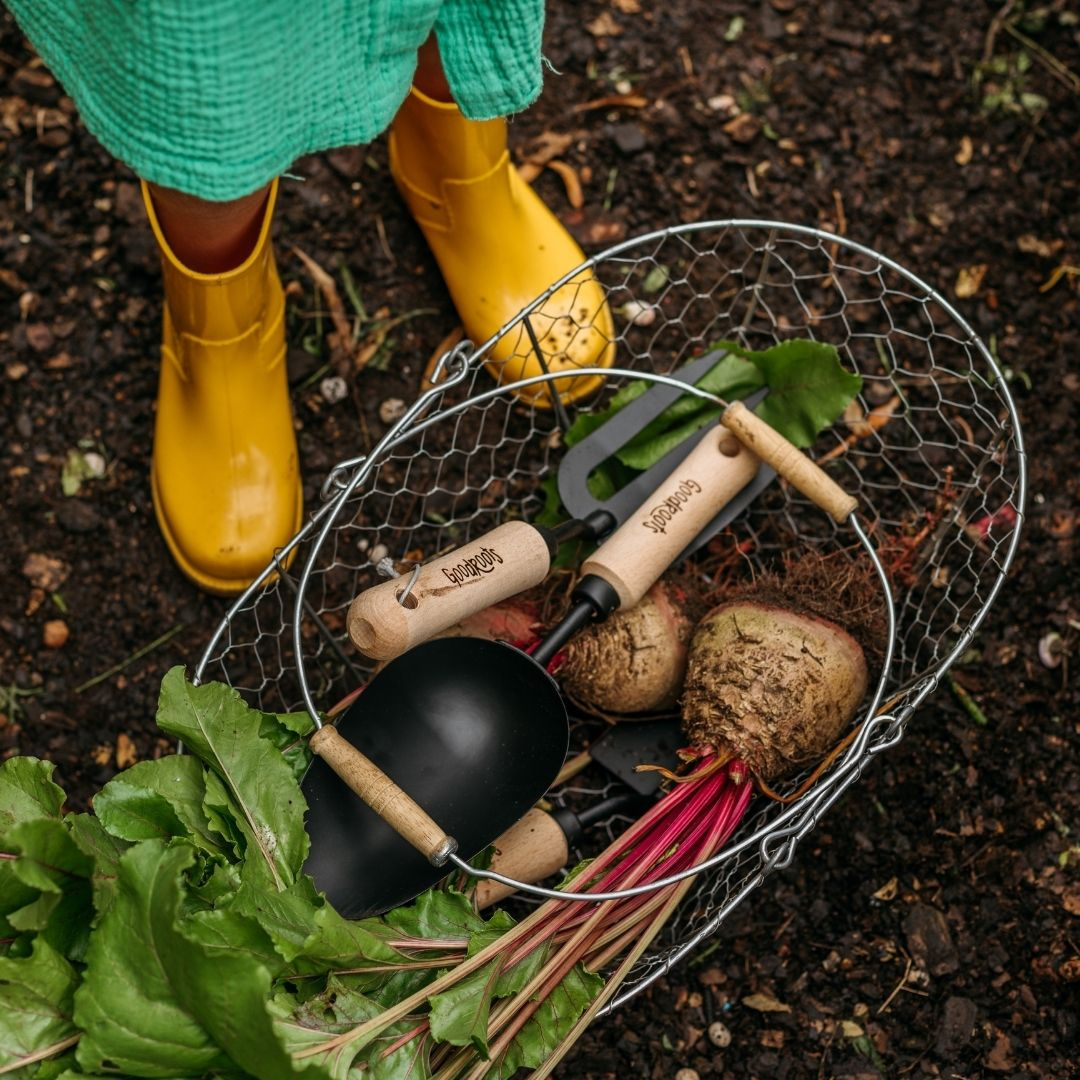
(217, 97)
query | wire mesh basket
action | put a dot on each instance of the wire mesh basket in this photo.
(931, 450)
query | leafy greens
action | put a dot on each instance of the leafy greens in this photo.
(172, 933)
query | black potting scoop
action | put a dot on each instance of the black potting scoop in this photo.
(387, 619)
(471, 729)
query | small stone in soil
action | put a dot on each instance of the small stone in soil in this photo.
(930, 941)
(77, 516)
(333, 389)
(719, 1034)
(957, 1026)
(629, 138)
(391, 409)
(55, 634)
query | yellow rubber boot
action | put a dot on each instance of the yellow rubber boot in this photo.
(498, 247)
(226, 478)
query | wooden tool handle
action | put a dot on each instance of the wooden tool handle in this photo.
(393, 805)
(646, 544)
(790, 462)
(499, 564)
(529, 851)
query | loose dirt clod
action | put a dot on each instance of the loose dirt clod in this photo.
(54, 634)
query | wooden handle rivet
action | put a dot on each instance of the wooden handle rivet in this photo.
(730, 446)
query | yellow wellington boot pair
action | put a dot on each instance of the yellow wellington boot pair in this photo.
(226, 481)
(225, 475)
(499, 247)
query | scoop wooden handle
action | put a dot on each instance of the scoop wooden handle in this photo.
(645, 545)
(499, 564)
(529, 851)
(393, 805)
(790, 462)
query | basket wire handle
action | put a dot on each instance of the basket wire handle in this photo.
(788, 461)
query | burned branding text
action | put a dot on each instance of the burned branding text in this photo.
(659, 517)
(475, 566)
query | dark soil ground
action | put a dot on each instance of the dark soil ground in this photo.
(929, 926)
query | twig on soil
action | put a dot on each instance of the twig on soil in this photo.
(970, 705)
(568, 175)
(995, 25)
(375, 339)
(343, 331)
(612, 101)
(875, 419)
(1062, 72)
(137, 655)
(896, 989)
(380, 229)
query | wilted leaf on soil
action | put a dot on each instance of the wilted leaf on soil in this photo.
(604, 26)
(1031, 244)
(887, 891)
(969, 280)
(765, 1003)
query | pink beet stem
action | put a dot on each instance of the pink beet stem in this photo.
(680, 821)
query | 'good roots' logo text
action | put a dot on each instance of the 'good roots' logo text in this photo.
(483, 562)
(659, 517)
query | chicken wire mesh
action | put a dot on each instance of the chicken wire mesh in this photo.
(931, 449)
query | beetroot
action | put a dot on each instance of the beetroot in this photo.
(773, 687)
(635, 661)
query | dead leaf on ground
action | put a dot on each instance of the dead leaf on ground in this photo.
(605, 232)
(627, 7)
(966, 152)
(543, 149)
(126, 754)
(1030, 244)
(568, 174)
(744, 128)
(1000, 1057)
(604, 25)
(12, 280)
(342, 336)
(102, 754)
(888, 891)
(765, 1003)
(969, 280)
